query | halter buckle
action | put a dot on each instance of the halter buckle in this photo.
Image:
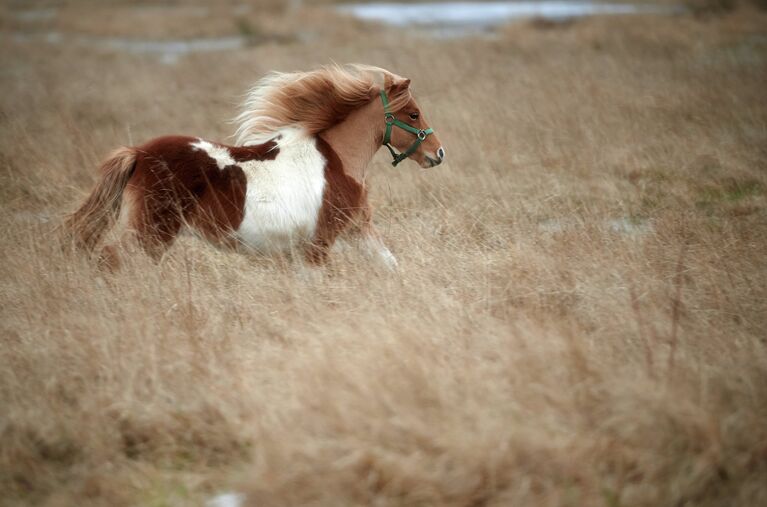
(422, 135)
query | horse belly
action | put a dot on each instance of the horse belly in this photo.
(282, 201)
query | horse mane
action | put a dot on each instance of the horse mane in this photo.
(310, 101)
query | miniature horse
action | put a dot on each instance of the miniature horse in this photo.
(294, 179)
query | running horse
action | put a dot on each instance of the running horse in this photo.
(293, 181)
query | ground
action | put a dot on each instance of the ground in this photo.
(579, 315)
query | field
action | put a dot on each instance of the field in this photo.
(579, 317)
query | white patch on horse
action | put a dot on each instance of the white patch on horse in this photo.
(218, 153)
(283, 196)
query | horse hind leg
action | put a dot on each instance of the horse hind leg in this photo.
(154, 227)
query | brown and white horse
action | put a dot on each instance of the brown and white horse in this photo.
(295, 178)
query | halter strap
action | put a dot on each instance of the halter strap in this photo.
(390, 120)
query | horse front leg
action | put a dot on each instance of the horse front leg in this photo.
(372, 243)
(374, 247)
(329, 226)
(362, 229)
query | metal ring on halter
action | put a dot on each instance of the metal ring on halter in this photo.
(421, 135)
(389, 118)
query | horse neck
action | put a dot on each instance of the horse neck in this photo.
(357, 138)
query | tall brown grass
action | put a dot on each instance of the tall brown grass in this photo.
(579, 317)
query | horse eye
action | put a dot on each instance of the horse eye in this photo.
(413, 116)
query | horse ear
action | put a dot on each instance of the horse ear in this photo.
(400, 84)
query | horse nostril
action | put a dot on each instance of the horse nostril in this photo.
(441, 153)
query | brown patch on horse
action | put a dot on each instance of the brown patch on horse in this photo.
(342, 202)
(266, 151)
(220, 208)
(175, 183)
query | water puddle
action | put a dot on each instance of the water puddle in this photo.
(168, 51)
(629, 226)
(459, 19)
(619, 225)
(33, 15)
(197, 11)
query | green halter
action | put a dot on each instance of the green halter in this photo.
(391, 120)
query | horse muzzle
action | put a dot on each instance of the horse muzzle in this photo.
(436, 160)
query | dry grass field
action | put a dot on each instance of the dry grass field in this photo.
(579, 317)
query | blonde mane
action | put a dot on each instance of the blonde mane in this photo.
(311, 101)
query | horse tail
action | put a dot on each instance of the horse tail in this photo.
(94, 217)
